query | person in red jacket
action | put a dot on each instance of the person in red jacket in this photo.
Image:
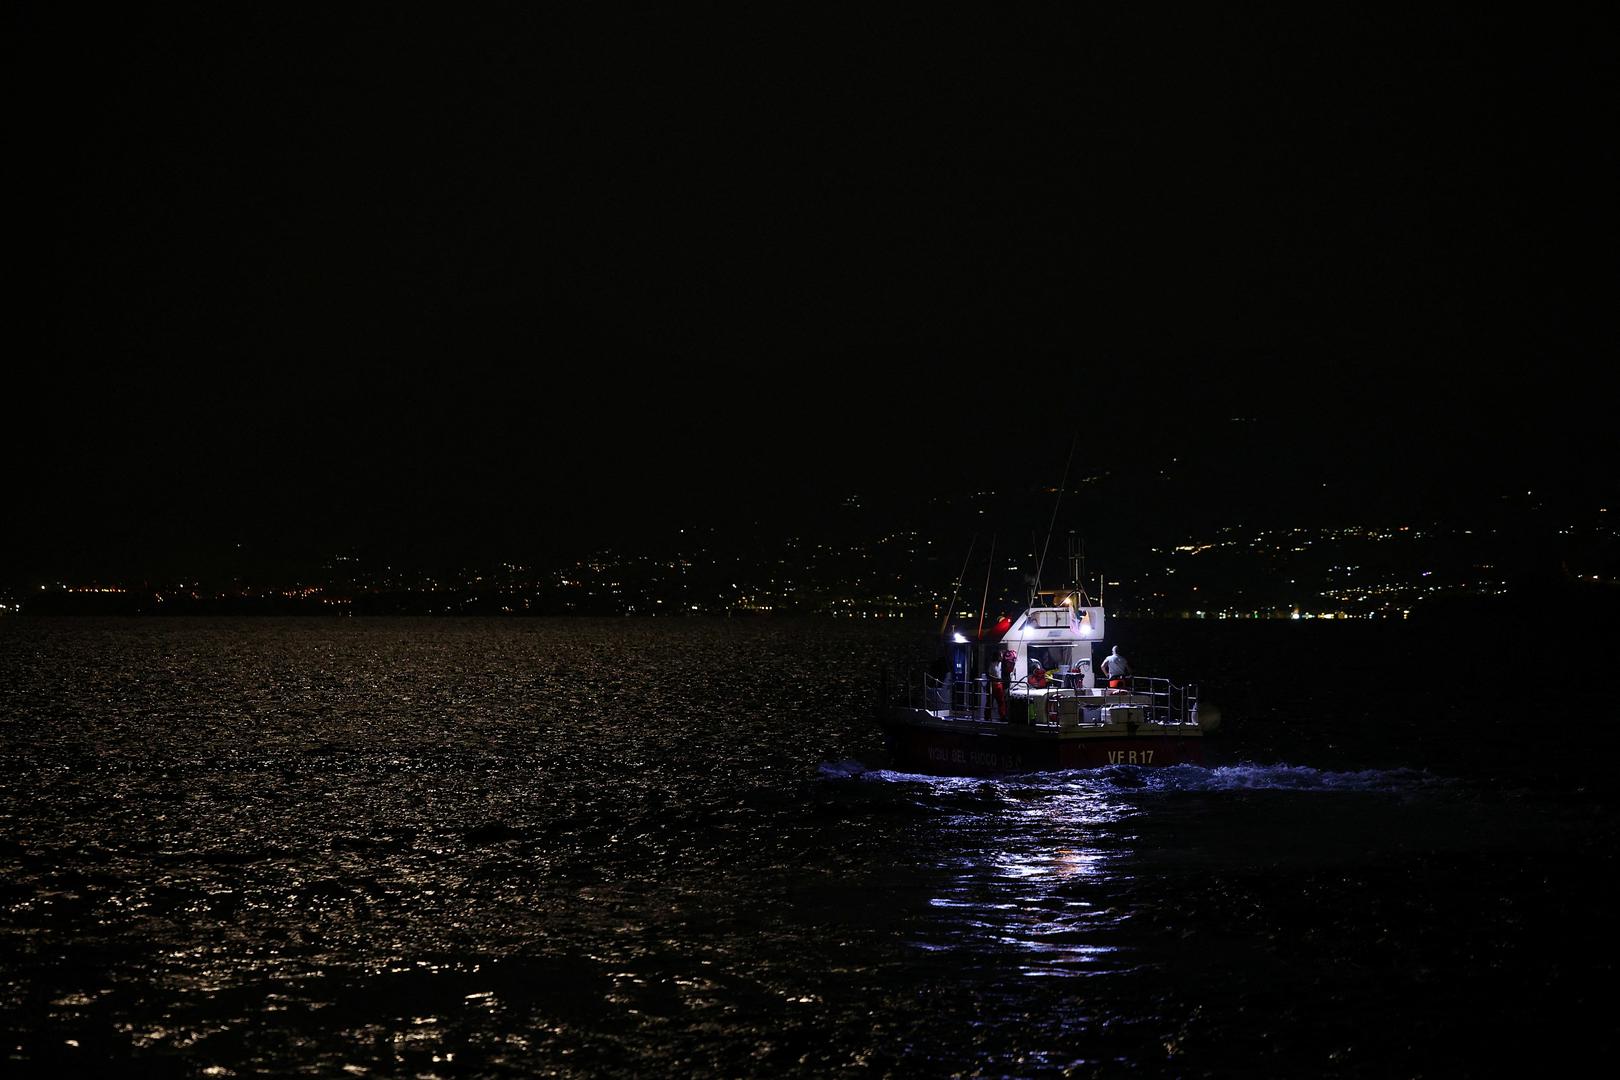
(1009, 668)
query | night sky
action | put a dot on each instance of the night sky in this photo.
(495, 280)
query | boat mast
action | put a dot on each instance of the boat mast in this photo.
(988, 570)
(1039, 565)
(952, 605)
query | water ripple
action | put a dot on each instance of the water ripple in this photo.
(420, 847)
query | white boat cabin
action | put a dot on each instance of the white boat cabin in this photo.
(1057, 642)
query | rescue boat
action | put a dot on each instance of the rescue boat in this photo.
(1050, 711)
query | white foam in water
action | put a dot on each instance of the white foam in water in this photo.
(1243, 777)
(1252, 777)
(842, 770)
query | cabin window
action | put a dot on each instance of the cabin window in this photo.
(1051, 657)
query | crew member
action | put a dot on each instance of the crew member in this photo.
(1009, 669)
(1117, 668)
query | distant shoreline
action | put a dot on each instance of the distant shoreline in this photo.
(1566, 599)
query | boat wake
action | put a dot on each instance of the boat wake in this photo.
(1123, 779)
(1282, 777)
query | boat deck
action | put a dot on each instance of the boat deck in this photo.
(1148, 702)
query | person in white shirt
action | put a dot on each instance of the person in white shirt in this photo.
(1116, 667)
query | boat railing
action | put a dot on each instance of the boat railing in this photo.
(1167, 703)
(1162, 701)
(958, 700)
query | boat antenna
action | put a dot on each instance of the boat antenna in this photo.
(988, 569)
(1077, 566)
(943, 623)
(1039, 565)
(1033, 580)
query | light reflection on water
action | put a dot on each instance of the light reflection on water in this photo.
(1040, 870)
(1027, 872)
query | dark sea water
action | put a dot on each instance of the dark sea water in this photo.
(423, 847)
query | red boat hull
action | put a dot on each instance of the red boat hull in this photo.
(1015, 749)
